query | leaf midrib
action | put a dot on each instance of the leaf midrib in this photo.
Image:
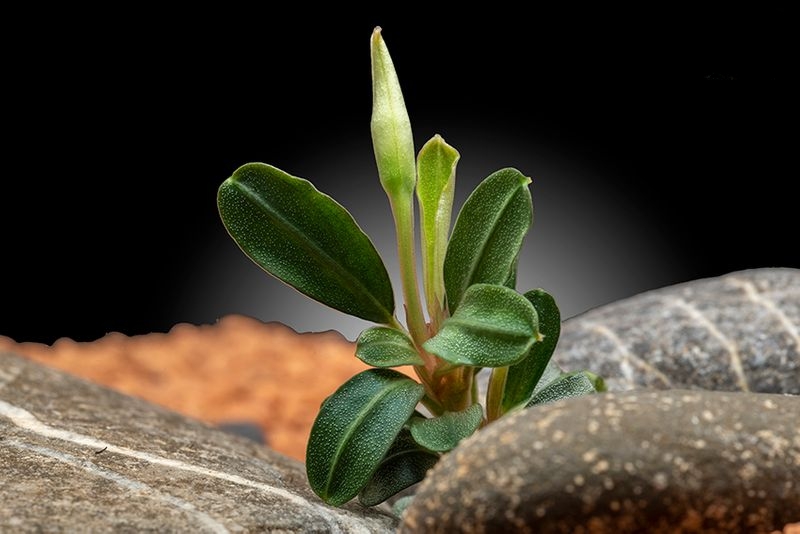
(474, 266)
(351, 429)
(310, 245)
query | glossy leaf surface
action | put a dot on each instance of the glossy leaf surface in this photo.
(382, 346)
(523, 377)
(306, 239)
(494, 326)
(443, 433)
(488, 234)
(354, 430)
(567, 385)
(405, 464)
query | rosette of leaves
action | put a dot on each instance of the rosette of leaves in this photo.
(382, 430)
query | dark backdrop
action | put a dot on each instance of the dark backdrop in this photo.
(658, 142)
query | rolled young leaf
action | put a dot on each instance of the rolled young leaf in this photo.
(443, 433)
(391, 128)
(567, 385)
(493, 327)
(386, 347)
(436, 169)
(307, 240)
(405, 464)
(523, 377)
(354, 430)
(488, 234)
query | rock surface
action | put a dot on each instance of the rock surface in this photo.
(76, 457)
(735, 332)
(674, 461)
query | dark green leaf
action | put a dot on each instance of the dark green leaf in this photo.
(382, 346)
(354, 430)
(405, 464)
(568, 385)
(523, 377)
(443, 433)
(494, 326)
(436, 170)
(304, 238)
(488, 234)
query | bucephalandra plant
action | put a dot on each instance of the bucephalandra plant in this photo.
(381, 431)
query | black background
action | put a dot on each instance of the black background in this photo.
(120, 126)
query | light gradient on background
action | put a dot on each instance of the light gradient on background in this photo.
(589, 244)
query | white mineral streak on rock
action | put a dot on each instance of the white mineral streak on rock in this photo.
(762, 300)
(27, 421)
(627, 357)
(131, 485)
(730, 346)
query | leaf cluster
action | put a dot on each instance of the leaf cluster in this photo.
(382, 430)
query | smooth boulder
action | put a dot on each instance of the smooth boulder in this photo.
(76, 457)
(666, 461)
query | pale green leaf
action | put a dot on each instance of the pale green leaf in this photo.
(436, 170)
(391, 127)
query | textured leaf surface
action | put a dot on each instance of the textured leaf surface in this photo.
(354, 430)
(405, 464)
(567, 385)
(382, 346)
(306, 239)
(488, 234)
(436, 170)
(523, 377)
(494, 326)
(443, 433)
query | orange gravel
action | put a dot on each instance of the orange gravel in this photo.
(239, 369)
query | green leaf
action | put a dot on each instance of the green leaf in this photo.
(523, 377)
(551, 373)
(354, 430)
(488, 234)
(306, 239)
(405, 464)
(568, 385)
(596, 380)
(436, 169)
(443, 433)
(386, 347)
(391, 127)
(494, 326)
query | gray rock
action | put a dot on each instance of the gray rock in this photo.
(735, 332)
(76, 457)
(673, 461)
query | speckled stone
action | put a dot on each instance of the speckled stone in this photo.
(671, 461)
(75, 457)
(739, 332)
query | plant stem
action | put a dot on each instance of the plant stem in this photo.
(403, 211)
(494, 396)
